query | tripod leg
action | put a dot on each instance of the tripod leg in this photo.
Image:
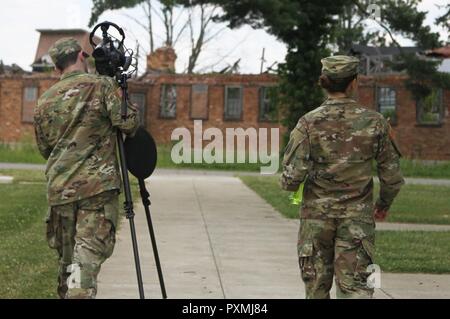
(146, 202)
(136, 258)
(129, 212)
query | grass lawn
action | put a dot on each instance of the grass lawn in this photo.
(25, 175)
(28, 267)
(396, 251)
(21, 153)
(37, 176)
(165, 161)
(413, 251)
(438, 170)
(27, 153)
(415, 204)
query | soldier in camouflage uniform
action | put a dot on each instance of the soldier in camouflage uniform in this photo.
(331, 150)
(76, 122)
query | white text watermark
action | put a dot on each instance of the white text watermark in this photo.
(239, 145)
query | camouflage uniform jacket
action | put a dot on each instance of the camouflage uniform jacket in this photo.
(331, 149)
(75, 126)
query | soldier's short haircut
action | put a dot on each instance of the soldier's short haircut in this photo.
(67, 61)
(333, 85)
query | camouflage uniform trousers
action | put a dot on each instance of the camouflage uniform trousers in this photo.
(339, 247)
(83, 233)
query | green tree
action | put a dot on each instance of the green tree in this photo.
(444, 19)
(404, 18)
(352, 27)
(306, 27)
(100, 6)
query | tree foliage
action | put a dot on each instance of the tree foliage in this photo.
(100, 6)
(404, 18)
(352, 28)
(444, 19)
(306, 27)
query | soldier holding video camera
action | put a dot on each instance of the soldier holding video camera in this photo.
(76, 125)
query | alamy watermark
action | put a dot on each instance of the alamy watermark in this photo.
(238, 145)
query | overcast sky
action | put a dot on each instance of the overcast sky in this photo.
(19, 20)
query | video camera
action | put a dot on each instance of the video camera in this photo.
(113, 59)
(111, 56)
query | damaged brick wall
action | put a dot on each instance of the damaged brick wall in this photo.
(161, 128)
(415, 140)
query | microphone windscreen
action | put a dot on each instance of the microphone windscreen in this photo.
(141, 154)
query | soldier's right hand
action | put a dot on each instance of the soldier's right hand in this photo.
(380, 214)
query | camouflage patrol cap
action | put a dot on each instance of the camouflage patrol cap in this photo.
(62, 48)
(340, 66)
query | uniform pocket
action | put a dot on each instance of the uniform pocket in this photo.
(364, 254)
(104, 228)
(305, 259)
(51, 229)
(369, 248)
(111, 209)
(96, 223)
(364, 258)
(106, 237)
(95, 232)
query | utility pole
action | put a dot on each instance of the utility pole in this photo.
(263, 60)
(137, 59)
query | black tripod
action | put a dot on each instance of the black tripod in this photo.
(138, 155)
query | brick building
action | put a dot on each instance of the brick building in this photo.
(42, 61)
(223, 101)
(20, 90)
(18, 96)
(422, 128)
(168, 100)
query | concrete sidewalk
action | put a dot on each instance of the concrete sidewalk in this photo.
(218, 239)
(203, 172)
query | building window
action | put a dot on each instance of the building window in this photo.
(168, 101)
(387, 103)
(139, 100)
(30, 96)
(430, 109)
(233, 102)
(268, 104)
(199, 102)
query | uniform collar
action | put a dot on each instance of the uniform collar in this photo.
(340, 100)
(69, 74)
